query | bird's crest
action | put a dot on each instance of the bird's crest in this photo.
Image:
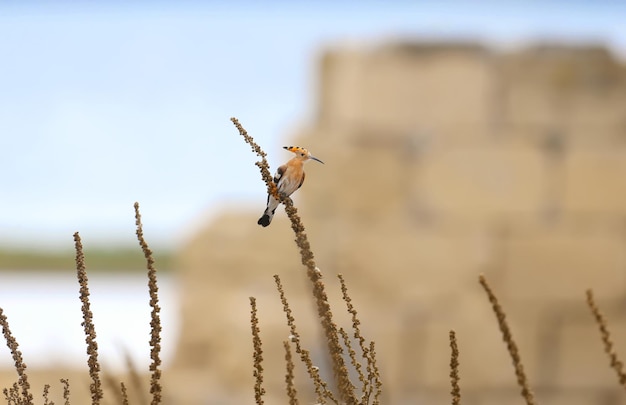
(296, 149)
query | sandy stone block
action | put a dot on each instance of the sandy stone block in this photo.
(410, 265)
(399, 92)
(402, 94)
(340, 78)
(569, 397)
(483, 181)
(584, 397)
(533, 105)
(530, 104)
(555, 264)
(591, 110)
(595, 180)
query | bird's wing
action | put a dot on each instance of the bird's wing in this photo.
(302, 181)
(279, 173)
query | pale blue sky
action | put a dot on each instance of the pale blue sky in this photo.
(101, 106)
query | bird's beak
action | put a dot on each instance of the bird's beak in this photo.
(316, 159)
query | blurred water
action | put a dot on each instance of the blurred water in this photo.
(44, 314)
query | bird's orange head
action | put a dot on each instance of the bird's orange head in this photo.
(301, 153)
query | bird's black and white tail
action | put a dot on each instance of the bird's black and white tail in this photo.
(265, 220)
(268, 214)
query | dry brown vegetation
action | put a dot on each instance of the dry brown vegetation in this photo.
(347, 348)
(19, 393)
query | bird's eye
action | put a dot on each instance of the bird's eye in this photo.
(302, 154)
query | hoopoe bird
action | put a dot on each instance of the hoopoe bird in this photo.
(288, 178)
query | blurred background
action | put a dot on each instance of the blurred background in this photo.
(457, 139)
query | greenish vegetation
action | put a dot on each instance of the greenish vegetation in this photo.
(97, 259)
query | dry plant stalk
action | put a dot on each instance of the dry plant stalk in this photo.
(321, 388)
(124, 393)
(66, 390)
(12, 395)
(262, 165)
(292, 393)
(155, 322)
(259, 391)
(616, 363)
(20, 366)
(340, 372)
(353, 313)
(522, 381)
(372, 380)
(353, 360)
(375, 376)
(7, 396)
(46, 390)
(454, 370)
(88, 325)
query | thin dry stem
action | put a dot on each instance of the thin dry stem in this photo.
(355, 363)
(124, 393)
(615, 362)
(88, 325)
(371, 382)
(46, 391)
(263, 166)
(340, 372)
(20, 366)
(259, 391)
(321, 388)
(454, 370)
(66, 390)
(292, 393)
(375, 376)
(12, 395)
(155, 321)
(522, 381)
(366, 387)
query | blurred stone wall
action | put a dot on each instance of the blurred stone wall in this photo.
(442, 161)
